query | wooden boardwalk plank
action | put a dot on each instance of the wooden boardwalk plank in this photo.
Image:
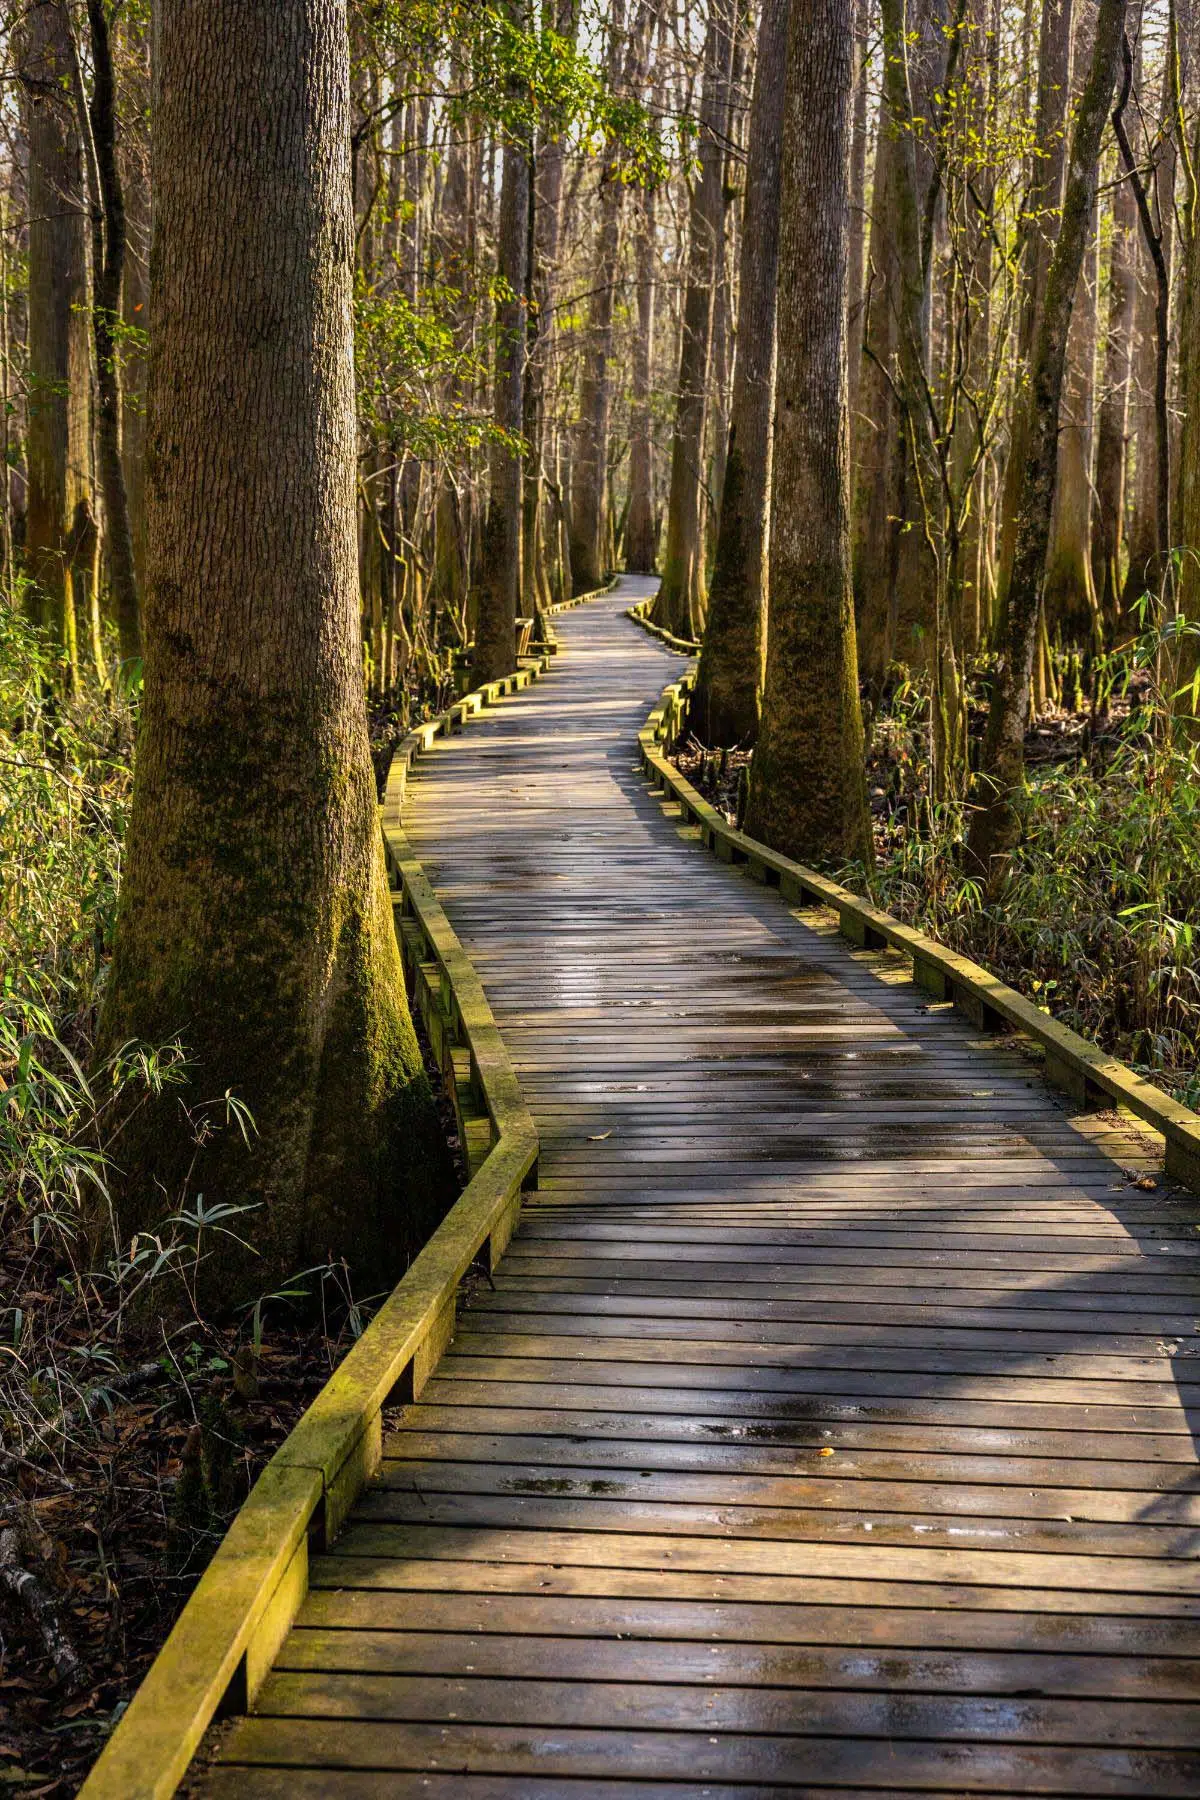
(829, 1426)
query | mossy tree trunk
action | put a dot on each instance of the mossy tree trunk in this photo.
(682, 597)
(98, 126)
(500, 582)
(1070, 593)
(807, 781)
(995, 823)
(729, 680)
(1189, 458)
(59, 409)
(1112, 425)
(255, 921)
(893, 581)
(641, 528)
(1040, 226)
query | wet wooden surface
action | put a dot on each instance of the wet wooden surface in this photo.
(828, 1429)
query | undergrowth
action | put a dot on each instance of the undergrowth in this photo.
(1098, 918)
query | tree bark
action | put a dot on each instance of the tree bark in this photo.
(98, 125)
(1069, 592)
(58, 446)
(1040, 225)
(1108, 512)
(893, 582)
(725, 706)
(682, 598)
(641, 529)
(500, 568)
(255, 921)
(807, 782)
(858, 202)
(995, 825)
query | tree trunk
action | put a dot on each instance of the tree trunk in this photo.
(500, 570)
(58, 447)
(726, 702)
(98, 124)
(995, 825)
(255, 921)
(807, 783)
(133, 105)
(1069, 592)
(682, 598)
(1188, 701)
(893, 582)
(1040, 225)
(641, 529)
(1108, 514)
(858, 202)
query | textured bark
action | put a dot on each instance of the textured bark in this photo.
(858, 203)
(1041, 225)
(59, 429)
(641, 528)
(133, 105)
(1108, 513)
(1189, 460)
(1069, 593)
(591, 527)
(995, 824)
(255, 919)
(893, 582)
(500, 562)
(807, 784)
(107, 205)
(729, 680)
(682, 598)
(1150, 526)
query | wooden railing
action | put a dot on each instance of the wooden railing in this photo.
(228, 1634)
(1091, 1078)
(640, 614)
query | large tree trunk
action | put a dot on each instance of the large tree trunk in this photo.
(134, 150)
(807, 782)
(255, 919)
(1070, 594)
(641, 529)
(682, 599)
(1041, 223)
(995, 824)
(59, 407)
(1187, 701)
(893, 581)
(858, 201)
(500, 570)
(1108, 514)
(107, 201)
(729, 680)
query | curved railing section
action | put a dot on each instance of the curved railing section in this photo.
(228, 1634)
(1087, 1074)
(640, 614)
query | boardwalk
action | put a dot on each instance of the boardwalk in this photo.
(825, 1431)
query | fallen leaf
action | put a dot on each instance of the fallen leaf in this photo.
(599, 1137)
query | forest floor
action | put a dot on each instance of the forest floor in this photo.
(136, 1454)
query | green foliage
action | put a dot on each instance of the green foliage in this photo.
(64, 795)
(517, 77)
(410, 367)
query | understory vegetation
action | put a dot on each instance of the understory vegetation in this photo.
(126, 1444)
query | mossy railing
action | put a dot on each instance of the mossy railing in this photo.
(228, 1634)
(1088, 1075)
(640, 614)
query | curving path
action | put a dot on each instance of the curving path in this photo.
(825, 1431)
